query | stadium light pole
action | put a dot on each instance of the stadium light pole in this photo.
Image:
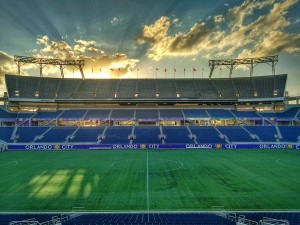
(250, 62)
(42, 62)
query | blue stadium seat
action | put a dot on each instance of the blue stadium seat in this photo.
(4, 115)
(57, 134)
(87, 134)
(102, 114)
(177, 135)
(206, 134)
(5, 133)
(75, 114)
(27, 134)
(265, 133)
(147, 135)
(117, 135)
(46, 115)
(171, 114)
(246, 114)
(147, 114)
(122, 114)
(220, 113)
(290, 133)
(236, 134)
(195, 113)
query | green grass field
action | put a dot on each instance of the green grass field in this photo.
(158, 180)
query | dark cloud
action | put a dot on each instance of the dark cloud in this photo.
(228, 35)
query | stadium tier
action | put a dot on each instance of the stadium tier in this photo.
(24, 88)
(150, 126)
(225, 218)
(148, 113)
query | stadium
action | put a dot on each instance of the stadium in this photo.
(149, 151)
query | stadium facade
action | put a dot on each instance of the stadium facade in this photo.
(59, 113)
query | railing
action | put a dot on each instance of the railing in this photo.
(55, 220)
(271, 221)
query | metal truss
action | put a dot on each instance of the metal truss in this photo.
(42, 62)
(250, 62)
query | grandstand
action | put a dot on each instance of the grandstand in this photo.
(40, 89)
(45, 113)
(140, 112)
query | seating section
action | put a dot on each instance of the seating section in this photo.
(206, 89)
(147, 135)
(171, 114)
(290, 113)
(220, 113)
(56, 135)
(97, 114)
(291, 218)
(5, 133)
(195, 113)
(150, 218)
(265, 133)
(28, 218)
(147, 114)
(4, 115)
(117, 135)
(177, 135)
(122, 114)
(34, 126)
(166, 88)
(245, 114)
(47, 115)
(127, 88)
(72, 114)
(163, 218)
(290, 133)
(27, 134)
(244, 87)
(206, 134)
(236, 134)
(69, 89)
(186, 88)
(225, 88)
(146, 88)
(87, 134)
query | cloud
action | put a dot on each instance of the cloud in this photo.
(156, 32)
(237, 15)
(248, 30)
(96, 60)
(285, 42)
(7, 66)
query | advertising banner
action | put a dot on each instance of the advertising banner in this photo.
(70, 146)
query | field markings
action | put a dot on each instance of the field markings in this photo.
(282, 163)
(9, 164)
(13, 163)
(288, 178)
(179, 165)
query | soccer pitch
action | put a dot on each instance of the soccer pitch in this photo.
(154, 180)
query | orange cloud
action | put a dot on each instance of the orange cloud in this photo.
(97, 62)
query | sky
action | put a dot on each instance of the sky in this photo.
(151, 38)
